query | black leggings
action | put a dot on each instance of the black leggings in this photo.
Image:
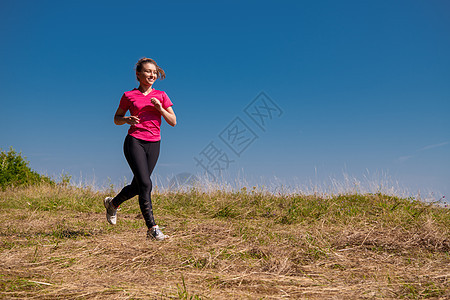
(142, 157)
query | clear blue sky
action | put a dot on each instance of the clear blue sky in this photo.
(362, 87)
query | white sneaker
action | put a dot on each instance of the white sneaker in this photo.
(156, 233)
(111, 211)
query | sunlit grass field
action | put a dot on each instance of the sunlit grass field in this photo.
(55, 243)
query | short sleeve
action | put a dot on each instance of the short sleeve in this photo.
(166, 101)
(124, 103)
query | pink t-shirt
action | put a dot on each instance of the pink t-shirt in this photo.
(140, 105)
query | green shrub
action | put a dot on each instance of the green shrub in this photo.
(14, 171)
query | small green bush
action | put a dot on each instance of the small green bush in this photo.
(14, 171)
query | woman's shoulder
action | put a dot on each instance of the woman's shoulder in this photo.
(131, 92)
(158, 92)
(136, 93)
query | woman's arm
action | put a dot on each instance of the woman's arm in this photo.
(168, 114)
(120, 119)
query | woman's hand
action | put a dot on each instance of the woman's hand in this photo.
(156, 103)
(120, 119)
(168, 113)
(132, 120)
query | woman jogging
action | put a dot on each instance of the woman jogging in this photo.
(141, 147)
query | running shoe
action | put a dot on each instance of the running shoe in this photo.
(156, 233)
(111, 211)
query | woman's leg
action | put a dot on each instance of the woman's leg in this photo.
(142, 159)
(132, 189)
(126, 193)
(152, 153)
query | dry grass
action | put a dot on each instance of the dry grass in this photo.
(56, 244)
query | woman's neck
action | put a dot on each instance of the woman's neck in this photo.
(145, 89)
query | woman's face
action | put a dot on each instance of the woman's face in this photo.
(148, 74)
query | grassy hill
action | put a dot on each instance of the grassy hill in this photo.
(55, 243)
